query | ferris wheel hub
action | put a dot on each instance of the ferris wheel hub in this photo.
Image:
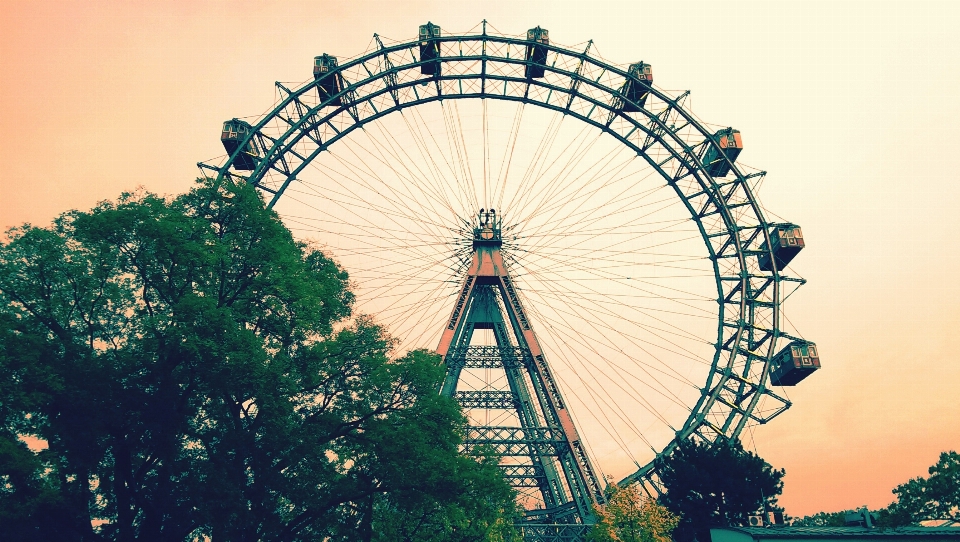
(487, 231)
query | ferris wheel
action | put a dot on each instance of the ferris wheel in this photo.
(586, 253)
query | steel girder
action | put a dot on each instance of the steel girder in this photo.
(518, 441)
(523, 475)
(489, 357)
(662, 132)
(494, 400)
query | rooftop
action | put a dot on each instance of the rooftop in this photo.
(783, 532)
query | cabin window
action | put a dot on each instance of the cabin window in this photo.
(813, 351)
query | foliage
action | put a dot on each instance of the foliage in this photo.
(193, 373)
(821, 519)
(716, 484)
(630, 517)
(934, 498)
(479, 507)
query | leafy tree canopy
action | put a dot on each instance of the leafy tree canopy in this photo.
(821, 519)
(936, 498)
(628, 516)
(716, 484)
(194, 373)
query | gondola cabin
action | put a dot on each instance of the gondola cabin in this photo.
(536, 55)
(729, 143)
(794, 363)
(328, 79)
(787, 241)
(637, 86)
(234, 133)
(429, 49)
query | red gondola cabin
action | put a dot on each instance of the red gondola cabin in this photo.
(536, 55)
(730, 144)
(637, 86)
(429, 49)
(794, 363)
(328, 79)
(787, 241)
(234, 133)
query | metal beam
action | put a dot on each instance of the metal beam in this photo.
(496, 400)
(517, 441)
(489, 357)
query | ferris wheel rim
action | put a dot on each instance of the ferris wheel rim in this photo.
(651, 124)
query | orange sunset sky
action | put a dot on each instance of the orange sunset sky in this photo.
(850, 106)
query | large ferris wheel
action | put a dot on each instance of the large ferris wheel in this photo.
(586, 254)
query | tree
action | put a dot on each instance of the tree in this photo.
(821, 519)
(630, 517)
(936, 498)
(711, 484)
(476, 509)
(196, 372)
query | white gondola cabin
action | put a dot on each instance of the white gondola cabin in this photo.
(787, 242)
(536, 54)
(730, 144)
(328, 79)
(234, 133)
(430, 49)
(794, 363)
(637, 86)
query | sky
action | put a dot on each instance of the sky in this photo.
(849, 106)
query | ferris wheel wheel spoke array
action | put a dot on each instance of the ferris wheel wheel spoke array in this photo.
(633, 236)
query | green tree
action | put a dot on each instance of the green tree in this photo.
(710, 484)
(821, 519)
(628, 516)
(479, 507)
(196, 372)
(936, 498)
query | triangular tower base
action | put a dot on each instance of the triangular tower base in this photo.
(501, 378)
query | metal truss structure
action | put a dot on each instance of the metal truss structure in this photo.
(544, 453)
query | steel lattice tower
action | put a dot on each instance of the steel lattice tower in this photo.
(543, 456)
